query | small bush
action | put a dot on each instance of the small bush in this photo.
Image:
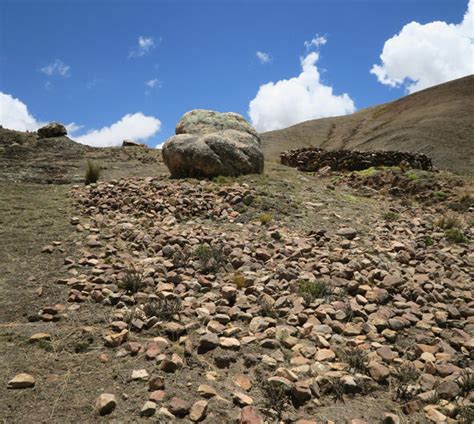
(311, 291)
(163, 308)
(275, 396)
(405, 376)
(223, 180)
(455, 235)
(440, 195)
(132, 281)
(466, 414)
(466, 381)
(239, 280)
(265, 218)
(391, 216)
(267, 310)
(412, 175)
(356, 358)
(448, 222)
(93, 172)
(210, 258)
(428, 241)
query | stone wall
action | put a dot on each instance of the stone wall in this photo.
(311, 159)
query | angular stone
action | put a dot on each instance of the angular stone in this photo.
(106, 403)
(140, 375)
(248, 415)
(242, 399)
(378, 372)
(21, 381)
(323, 355)
(208, 342)
(198, 411)
(179, 407)
(148, 409)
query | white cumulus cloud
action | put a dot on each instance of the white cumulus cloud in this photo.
(317, 41)
(135, 126)
(152, 83)
(423, 55)
(263, 57)
(290, 101)
(144, 45)
(14, 114)
(58, 67)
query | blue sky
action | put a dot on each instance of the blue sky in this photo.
(88, 62)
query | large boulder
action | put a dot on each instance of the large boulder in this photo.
(54, 129)
(208, 144)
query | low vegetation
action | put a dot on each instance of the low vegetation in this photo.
(310, 291)
(93, 172)
(132, 281)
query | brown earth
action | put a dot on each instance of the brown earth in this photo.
(437, 121)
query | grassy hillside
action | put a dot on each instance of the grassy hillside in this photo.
(437, 121)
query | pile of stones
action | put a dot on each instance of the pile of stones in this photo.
(263, 322)
(312, 159)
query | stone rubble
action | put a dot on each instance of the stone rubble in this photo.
(339, 314)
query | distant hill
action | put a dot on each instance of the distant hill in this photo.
(438, 121)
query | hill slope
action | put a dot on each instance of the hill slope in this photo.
(438, 121)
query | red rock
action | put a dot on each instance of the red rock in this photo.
(248, 415)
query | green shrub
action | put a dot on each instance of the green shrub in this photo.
(93, 171)
(210, 258)
(440, 195)
(391, 216)
(412, 175)
(428, 241)
(163, 308)
(448, 222)
(265, 218)
(311, 291)
(455, 235)
(239, 280)
(132, 281)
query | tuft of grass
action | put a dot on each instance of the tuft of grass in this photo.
(265, 218)
(276, 396)
(405, 375)
(356, 358)
(440, 195)
(93, 171)
(267, 310)
(311, 291)
(335, 387)
(447, 222)
(455, 235)
(223, 180)
(412, 175)
(428, 241)
(133, 281)
(163, 308)
(391, 216)
(210, 258)
(466, 381)
(466, 414)
(367, 172)
(239, 280)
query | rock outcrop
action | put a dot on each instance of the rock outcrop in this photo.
(312, 159)
(208, 144)
(132, 143)
(54, 129)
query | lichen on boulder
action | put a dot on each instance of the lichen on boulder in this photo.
(209, 144)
